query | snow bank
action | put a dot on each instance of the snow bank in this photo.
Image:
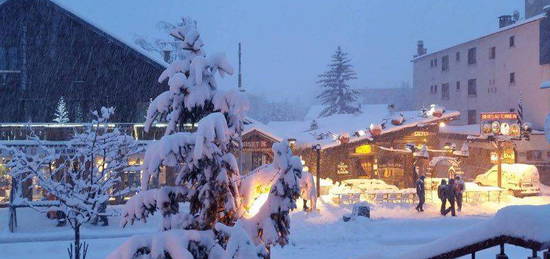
(521, 221)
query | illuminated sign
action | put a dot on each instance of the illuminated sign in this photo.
(422, 133)
(363, 149)
(508, 156)
(500, 124)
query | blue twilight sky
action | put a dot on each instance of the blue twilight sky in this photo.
(287, 43)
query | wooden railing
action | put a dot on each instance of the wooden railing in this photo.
(534, 246)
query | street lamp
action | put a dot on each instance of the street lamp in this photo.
(317, 148)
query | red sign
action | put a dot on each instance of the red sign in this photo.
(498, 116)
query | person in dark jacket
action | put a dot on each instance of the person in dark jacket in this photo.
(451, 196)
(421, 193)
(441, 193)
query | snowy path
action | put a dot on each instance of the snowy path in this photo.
(317, 235)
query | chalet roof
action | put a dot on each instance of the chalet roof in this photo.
(109, 21)
(251, 125)
(341, 124)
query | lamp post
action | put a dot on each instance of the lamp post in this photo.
(317, 147)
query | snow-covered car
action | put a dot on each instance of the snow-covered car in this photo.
(521, 179)
(369, 185)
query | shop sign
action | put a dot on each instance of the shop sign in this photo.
(508, 156)
(363, 149)
(500, 124)
(342, 169)
(422, 133)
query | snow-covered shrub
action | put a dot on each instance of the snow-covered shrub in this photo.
(82, 174)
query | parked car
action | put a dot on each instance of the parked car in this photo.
(521, 179)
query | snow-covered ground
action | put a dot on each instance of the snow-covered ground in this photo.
(394, 229)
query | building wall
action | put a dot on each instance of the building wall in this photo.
(494, 90)
(534, 7)
(55, 53)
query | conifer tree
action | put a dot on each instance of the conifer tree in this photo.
(337, 95)
(61, 113)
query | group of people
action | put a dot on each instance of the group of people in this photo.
(451, 191)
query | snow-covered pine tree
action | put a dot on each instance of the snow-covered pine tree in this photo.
(61, 114)
(81, 176)
(337, 95)
(208, 175)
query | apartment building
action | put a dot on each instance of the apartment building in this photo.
(490, 73)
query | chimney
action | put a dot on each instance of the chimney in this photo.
(420, 50)
(505, 20)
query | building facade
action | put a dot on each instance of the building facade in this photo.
(48, 52)
(491, 73)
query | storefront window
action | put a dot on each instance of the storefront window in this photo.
(5, 183)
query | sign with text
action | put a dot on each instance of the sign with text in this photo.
(500, 124)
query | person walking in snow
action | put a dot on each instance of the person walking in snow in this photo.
(459, 188)
(442, 195)
(421, 193)
(451, 196)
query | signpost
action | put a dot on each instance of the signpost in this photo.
(501, 128)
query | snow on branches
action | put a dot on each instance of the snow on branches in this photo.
(81, 175)
(192, 84)
(271, 225)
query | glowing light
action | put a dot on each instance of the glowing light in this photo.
(257, 205)
(442, 124)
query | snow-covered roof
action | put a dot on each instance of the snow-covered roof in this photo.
(124, 34)
(251, 125)
(340, 124)
(517, 24)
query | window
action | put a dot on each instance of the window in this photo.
(457, 56)
(512, 41)
(445, 63)
(472, 117)
(472, 87)
(435, 89)
(431, 63)
(435, 62)
(445, 95)
(471, 56)
(534, 155)
(457, 86)
(512, 78)
(492, 53)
